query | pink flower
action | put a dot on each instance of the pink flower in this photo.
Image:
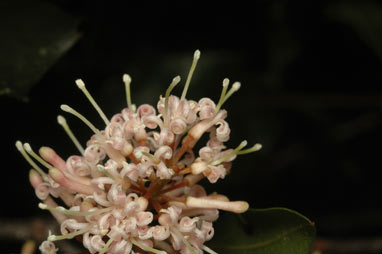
(134, 187)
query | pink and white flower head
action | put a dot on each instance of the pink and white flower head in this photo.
(134, 187)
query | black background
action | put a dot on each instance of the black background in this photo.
(311, 79)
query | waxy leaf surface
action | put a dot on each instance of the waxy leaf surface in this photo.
(263, 231)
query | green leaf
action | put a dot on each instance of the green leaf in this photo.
(364, 16)
(35, 34)
(263, 231)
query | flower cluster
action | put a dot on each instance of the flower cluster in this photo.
(134, 187)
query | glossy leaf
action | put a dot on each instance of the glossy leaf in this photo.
(35, 34)
(263, 231)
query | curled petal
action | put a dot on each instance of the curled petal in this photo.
(164, 172)
(130, 170)
(152, 122)
(48, 247)
(140, 133)
(42, 190)
(215, 173)
(163, 152)
(207, 108)
(130, 208)
(173, 103)
(183, 109)
(132, 197)
(186, 224)
(222, 131)
(91, 218)
(127, 114)
(99, 182)
(145, 232)
(128, 129)
(160, 232)
(130, 225)
(145, 110)
(201, 127)
(114, 130)
(116, 195)
(76, 165)
(78, 199)
(176, 241)
(145, 169)
(70, 225)
(207, 230)
(174, 213)
(166, 137)
(100, 198)
(106, 221)
(117, 118)
(111, 167)
(86, 242)
(206, 153)
(178, 126)
(97, 243)
(160, 105)
(94, 154)
(144, 218)
(198, 236)
(118, 143)
(121, 247)
(117, 233)
(138, 151)
(215, 145)
(194, 106)
(118, 214)
(191, 116)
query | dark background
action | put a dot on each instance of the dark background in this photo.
(311, 87)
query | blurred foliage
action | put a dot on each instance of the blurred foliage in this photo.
(364, 16)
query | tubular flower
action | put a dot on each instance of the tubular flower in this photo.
(134, 187)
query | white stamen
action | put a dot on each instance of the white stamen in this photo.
(208, 250)
(62, 121)
(227, 156)
(174, 82)
(127, 80)
(81, 85)
(68, 109)
(53, 238)
(29, 150)
(107, 245)
(146, 248)
(254, 148)
(235, 87)
(190, 73)
(63, 210)
(20, 147)
(224, 95)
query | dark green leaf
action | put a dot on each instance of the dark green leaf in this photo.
(34, 35)
(263, 231)
(364, 16)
